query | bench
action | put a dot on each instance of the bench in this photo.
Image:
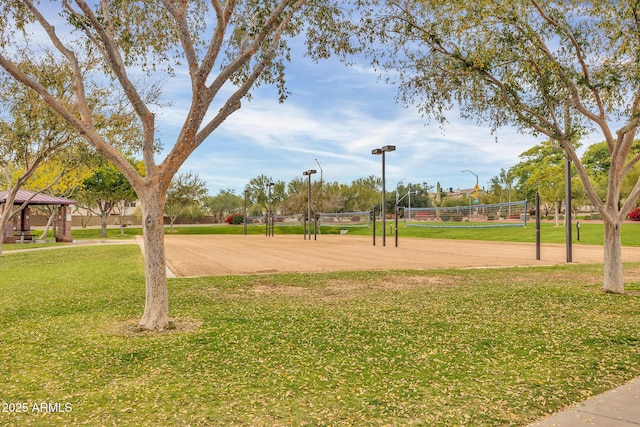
(24, 235)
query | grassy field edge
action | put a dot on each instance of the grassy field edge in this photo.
(449, 347)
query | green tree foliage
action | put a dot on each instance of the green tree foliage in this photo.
(332, 197)
(363, 194)
(542, 170)
(558, 69)
(597, 162)
(223, 204)
(186, 195)
(264, 192)
(296, 201)
(203, 45)
(416, 194)
(103, 190)
(31, 134)
(325, 196)
(502, 187)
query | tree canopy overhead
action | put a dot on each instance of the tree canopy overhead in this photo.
(560, 70)
(31, 134)
(516, 62)
(221, 50)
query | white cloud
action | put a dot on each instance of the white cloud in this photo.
(338, 114)
(282, 140)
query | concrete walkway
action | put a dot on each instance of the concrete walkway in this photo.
(619, 407)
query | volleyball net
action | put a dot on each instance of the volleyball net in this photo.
(335, 219)
(512, 214)
(278, 220)
(345, 219)
(287, 220)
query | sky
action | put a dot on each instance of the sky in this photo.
(332, 120)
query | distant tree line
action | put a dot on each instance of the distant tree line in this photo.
(187, 194)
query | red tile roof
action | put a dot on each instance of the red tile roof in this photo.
(38, 199)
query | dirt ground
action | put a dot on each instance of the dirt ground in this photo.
(212, 255)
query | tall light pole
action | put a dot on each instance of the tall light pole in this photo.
(246, 194)
(269, 222)
(567, 188)
(398, 185)
(397, 208)
(415, 192)
(476, 188)
(407, 211)
(308, 174)
(320, 167)
(385, 149)
(320, 196)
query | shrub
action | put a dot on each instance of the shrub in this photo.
(634, 215)
(235, 219)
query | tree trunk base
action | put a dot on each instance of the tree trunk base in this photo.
(148, 323)
(155, 316)
(613, 274)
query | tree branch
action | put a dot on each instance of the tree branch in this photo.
(190, 137)
(233, 102)
(85, 124)
(179, 13)
(217, 39)
(579, 55)
(112, 56)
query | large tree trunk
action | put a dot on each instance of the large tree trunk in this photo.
(4, 218)
(50, 222)
(121, 214)
(103, 224)
(7, 211)
(156, 307)
(613, 278)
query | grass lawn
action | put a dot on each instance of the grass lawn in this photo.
(437, 348)
(591, 233)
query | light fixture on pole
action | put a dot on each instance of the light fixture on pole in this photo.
(476, 188)
(377, 151)
(320, 194)
(409, 193)
(398, 185)
(246, 195)
(320, 171)
(397, 208)
(407, 212)
(308, 174)
(269, 219)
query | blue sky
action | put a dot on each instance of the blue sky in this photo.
(337, 115)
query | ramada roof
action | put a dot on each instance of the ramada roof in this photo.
(36, 199)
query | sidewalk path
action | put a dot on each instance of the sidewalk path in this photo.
(619, 407)
(88, 242)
